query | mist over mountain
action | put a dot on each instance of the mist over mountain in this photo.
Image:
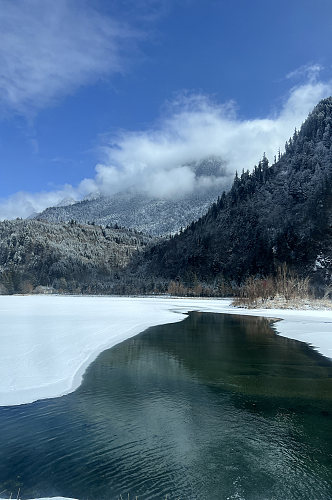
(154, 215)
(157, 162)
(276, 214)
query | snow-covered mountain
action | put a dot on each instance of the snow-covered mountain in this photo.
(66, 202)
(277, 215)
(156, 216)
(76, 258)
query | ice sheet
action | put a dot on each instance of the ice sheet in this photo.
(47, 342)
(48, 498)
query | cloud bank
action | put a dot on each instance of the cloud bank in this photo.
(48, 48)
(158, 161)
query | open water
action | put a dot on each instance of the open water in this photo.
(212, 408)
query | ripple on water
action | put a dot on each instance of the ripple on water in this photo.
(215, 407)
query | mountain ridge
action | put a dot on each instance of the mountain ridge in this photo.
(277, 214)
(63, 257)
(151, 214)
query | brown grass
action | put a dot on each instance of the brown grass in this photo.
(285, 290)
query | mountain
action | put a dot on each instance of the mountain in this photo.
(66, 202)
(276, 214)
(63, 257)
(146, 213)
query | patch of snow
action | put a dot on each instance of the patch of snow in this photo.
(48, 498)
(322, 262)
(47, 342)
(66, 202)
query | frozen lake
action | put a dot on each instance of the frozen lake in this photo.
(215, 406)
(47, 342)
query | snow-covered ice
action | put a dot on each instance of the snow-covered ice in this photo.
(47, 342)
(49, 498)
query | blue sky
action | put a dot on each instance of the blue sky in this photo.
(100, 95)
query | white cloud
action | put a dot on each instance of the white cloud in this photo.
(310, 71)
(196, 128)
(48, 48)
(23, 204)
(157, 161)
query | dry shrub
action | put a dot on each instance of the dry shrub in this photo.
(176, 288)
(198, 289)
(286, 285)
(289, 285)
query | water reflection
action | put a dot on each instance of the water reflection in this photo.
(215, 407)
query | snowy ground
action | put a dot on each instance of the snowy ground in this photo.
(51, 498)
(48, 341)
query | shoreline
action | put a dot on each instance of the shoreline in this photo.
(48, 341)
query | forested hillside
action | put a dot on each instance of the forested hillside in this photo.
(279, 213)
(145, 212)
(63, 257)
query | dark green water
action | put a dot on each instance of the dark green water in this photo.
(216, 407)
